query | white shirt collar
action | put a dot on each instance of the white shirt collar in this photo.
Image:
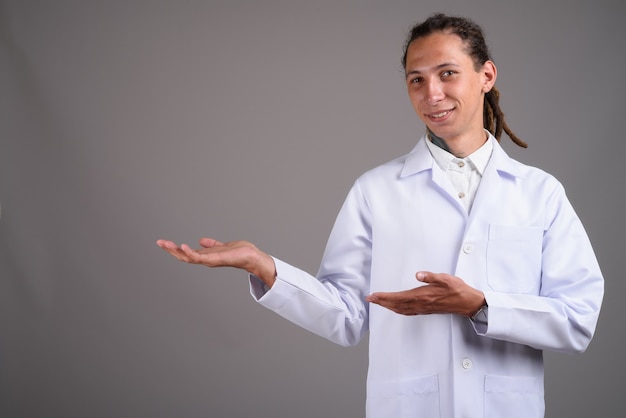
(478, 159)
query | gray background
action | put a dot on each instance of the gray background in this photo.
(122, 122)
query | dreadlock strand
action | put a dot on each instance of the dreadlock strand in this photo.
(495, 118)
(511, 135)
(493, 114)
(488, 121)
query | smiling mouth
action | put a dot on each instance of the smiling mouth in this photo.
(439, 115)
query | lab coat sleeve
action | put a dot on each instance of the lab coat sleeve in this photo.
(332, 304)
(563, 316)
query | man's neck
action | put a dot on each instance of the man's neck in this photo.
(459, 148)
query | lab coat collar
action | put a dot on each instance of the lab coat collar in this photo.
(420, 159)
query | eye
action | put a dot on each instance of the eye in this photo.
(415, 80)
(448, 73)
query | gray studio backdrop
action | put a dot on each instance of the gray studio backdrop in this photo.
(122, 122)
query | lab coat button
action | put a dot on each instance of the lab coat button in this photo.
(466, 363)
(468, 248)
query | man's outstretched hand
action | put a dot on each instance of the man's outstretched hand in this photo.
(442, 293)
(239, 254)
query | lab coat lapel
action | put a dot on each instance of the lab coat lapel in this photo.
(420, 159)
(488, 196)
(442, 181)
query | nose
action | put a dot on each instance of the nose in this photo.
(434, 92)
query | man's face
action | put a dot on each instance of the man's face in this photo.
(446, 89)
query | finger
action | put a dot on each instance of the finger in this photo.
(386, 297)
(187, 250)
(397, 307)
(165, 244)
(210, 242)
(209, 259)
(375, 298)
(171, 248)
(372, 298)
(178, 254)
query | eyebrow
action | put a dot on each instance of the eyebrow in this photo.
(438, 67)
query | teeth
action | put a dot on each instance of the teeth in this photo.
(439, 115)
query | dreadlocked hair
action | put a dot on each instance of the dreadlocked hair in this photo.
(472, 36)
(493, 118)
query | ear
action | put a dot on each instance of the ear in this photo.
(490, 73)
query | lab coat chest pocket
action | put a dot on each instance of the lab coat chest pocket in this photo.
(514, 258)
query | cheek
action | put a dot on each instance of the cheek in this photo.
(416, 107)
(415, 99)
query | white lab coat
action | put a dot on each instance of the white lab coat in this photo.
(522, 245)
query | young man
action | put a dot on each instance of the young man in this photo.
(463, 264)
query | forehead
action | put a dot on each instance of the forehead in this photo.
(435, 49)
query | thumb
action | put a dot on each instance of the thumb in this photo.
(423, 276)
